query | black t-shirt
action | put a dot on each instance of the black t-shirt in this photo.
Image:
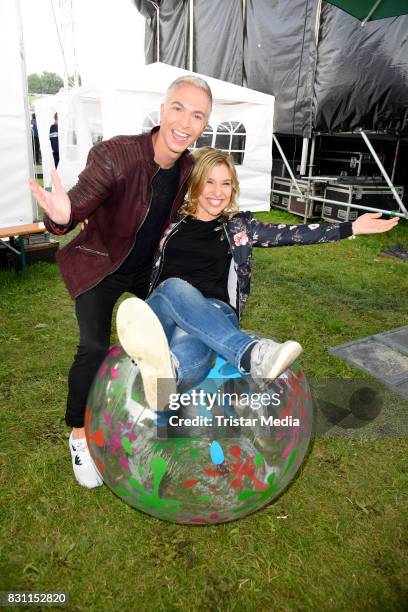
(164, 191)
(198, 252)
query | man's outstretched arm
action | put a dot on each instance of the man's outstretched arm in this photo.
(56, 204)
(64, 210)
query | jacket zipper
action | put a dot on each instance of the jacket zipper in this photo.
(160, 268)
(134, 241)
(82, 248)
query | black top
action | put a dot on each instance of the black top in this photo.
(198, 252)
(164, 191)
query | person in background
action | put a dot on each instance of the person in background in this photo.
(54, 140)
(35, 140)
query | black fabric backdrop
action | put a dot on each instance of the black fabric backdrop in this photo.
(357, 77)
(361, 77)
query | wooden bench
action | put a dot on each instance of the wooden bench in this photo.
(15, 243)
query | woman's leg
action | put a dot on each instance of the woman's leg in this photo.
(178, 304)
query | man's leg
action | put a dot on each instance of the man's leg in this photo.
(94, 313)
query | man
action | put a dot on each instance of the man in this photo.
(35, 139)
(54, 140)
(128, 192)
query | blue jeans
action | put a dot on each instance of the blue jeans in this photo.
(195, 327)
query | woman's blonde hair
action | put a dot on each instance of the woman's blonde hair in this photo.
(205, 159)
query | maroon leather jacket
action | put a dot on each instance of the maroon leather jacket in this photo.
(114, 193)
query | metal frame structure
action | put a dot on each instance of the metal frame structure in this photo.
(309, 196)
(305, 153)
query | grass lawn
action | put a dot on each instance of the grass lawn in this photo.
(336, 540)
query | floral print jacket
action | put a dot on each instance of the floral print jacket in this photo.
(244, 232)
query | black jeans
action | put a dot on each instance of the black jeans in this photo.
(94, 314)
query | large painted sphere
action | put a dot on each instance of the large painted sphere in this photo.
(240, 450)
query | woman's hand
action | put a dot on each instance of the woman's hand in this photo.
(370, 223)
(56, 204)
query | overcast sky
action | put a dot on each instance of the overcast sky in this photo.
(109, 37)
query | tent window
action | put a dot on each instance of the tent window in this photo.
(230, 137)
(205, 140)
(96, 137)
(150, 121)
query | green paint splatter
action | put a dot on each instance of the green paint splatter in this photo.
(204, 498)
(259, 459)
(290, 462)
(172, 444)
(257, 498)
(127, 446)
(151, 500)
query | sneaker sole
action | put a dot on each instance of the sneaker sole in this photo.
(288, 352)
(142, 337)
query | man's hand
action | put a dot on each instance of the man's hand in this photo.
(56, 204)
(370, 223)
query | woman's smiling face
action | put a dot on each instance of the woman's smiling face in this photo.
(216, 193)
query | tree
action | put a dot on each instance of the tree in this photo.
(47, 82)
(34, 83)
(52, 83)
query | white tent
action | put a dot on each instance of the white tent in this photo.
(241, 122)
(16, 160)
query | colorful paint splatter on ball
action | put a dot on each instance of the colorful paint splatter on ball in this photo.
(211, 476)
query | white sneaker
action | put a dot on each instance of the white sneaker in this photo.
(269, 359)
(142, 336)
(84, 468)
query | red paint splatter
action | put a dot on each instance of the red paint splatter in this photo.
(213, 518)
(102, 371)
(115, 351)
(123, 462)
(189, 484)
(240, 468)
(97, 437)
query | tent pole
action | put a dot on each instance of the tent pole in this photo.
(317, 22)
(305, 151)
(383, 172)
(312, 156)
(309, 204)
(158, 33)
(191, 36)
(391, 213)
(244, 21)
(32, 169)
(289, 169)
(370, 13)
(396, 155)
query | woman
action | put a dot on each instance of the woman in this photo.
(201, 282)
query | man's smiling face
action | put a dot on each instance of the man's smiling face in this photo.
(183, 118)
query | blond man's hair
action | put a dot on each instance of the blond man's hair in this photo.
(205, 159)
(191, 79)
